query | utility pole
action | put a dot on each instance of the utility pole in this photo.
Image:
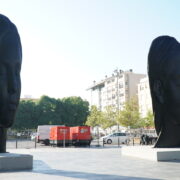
(116, 71)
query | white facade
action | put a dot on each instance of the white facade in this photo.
(98, 130)
(115, 90)
(144, 97)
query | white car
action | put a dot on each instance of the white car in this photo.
(33, 136)
(116, 138)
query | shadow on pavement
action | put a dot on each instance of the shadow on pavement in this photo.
(42, 168)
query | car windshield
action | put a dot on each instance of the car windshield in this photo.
(116, 134)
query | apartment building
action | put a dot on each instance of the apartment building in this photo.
(115, 90)
(144, 97)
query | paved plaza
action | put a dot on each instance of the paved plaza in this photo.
(91, 164)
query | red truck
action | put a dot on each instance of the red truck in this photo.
(59, 135)
(79, 135)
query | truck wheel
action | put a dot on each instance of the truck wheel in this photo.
(46, 142)
(88, 143)
(74, 143)
(109, 141)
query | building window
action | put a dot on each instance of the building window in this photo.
(113, 96)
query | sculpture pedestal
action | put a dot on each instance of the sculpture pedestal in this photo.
(12, 161)
(153, 154)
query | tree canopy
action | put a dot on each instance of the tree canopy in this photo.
(148, 121)
(103, 119)
(95, 117)
(129, 116)
(74, 111)
(109, 117)
(70, 111)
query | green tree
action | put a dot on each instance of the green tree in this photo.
(109, 118)
(129, 116)
(70, 111)
(27, 115)
(75, 111)
(95, 117)
(148, 121)
(47, 108)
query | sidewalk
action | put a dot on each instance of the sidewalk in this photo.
(91, 164)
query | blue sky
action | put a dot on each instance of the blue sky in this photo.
(68, 44)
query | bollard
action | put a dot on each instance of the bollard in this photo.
(98, 138)
(98, 142)
(16, 142)
(64, 144)
(103, 142)
(127, 142)
(118, 142)
(133, 141)
(35, 143)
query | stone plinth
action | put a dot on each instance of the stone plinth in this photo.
(12, 161)
(150, 153)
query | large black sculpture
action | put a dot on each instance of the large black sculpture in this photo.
(10, 82)
(164, 79)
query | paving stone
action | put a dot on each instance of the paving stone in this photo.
(91, 164)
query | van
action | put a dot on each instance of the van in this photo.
(80, 135)
(43, 133)
(59, 135)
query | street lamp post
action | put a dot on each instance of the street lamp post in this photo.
(117, 93)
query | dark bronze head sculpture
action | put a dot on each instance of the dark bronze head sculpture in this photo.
(164, 79)
(10, 82)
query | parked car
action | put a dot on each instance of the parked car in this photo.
(33, 136)
(114, 138)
